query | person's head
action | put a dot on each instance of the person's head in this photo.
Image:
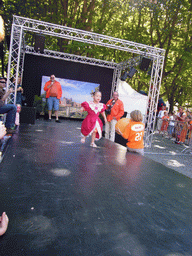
(52, 78)
(165, 113)
(136, 116)
(97, 96)
(181, 109)
(18, 108)
(115, 95)
(2, 82)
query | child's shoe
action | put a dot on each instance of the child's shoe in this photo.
(93, 145)
(83, 140)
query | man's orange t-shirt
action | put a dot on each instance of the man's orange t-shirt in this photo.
(134, 133)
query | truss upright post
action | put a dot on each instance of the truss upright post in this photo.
(153, 97)
(116, 76)
(15, 63)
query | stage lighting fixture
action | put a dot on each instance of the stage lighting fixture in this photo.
(132, 72)
(39, 43)
(145, 62)
(124, 76)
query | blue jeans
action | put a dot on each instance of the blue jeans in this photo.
(10, 110)
(53, 102)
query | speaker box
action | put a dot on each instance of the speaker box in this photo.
(145, 64)
(124, 76)
(132, 72)
(39, 43)
(28, 115)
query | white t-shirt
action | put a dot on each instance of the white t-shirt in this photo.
(171, 123)
(161, 113)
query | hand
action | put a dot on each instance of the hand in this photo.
(20, 89)
(2, 131)
(118, 131)
(81, 110)
(4, 220)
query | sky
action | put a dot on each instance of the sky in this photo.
(79, 91)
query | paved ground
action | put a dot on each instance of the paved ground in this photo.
(168, 153)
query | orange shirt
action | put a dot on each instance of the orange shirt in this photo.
(59, 89)
(117, 110)
(134, 133)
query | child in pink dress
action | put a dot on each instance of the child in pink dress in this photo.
(92, 124)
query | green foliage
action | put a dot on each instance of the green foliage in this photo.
(38, 104)
(163, 24)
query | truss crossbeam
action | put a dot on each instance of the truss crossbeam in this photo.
(72, 57)
(86, 37)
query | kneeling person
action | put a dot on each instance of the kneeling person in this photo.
(134, 133)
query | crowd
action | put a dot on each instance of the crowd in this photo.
(176, 126)
(12, 111)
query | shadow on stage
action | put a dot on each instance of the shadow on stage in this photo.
(66, 198)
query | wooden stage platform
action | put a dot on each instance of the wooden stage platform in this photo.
(66, 198)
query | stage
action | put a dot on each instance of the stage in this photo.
(66, 198)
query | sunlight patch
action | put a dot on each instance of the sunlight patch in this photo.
(39, 130)
(67, 142)
(156, 140)
(61, 172)
(180, 185)
(172, 152)
(174, 163)
(157, 146)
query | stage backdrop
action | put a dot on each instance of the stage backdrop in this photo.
(35, 67)
(73, 94)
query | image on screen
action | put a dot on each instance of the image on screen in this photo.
(73, 94)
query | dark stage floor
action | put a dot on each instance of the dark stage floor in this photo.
(66, 198)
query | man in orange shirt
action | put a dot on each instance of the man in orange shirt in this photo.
(53, 94)
(114, 110)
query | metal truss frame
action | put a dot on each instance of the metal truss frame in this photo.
(72, 57)
(21, 26)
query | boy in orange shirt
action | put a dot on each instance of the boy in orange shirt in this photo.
(134, 133)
